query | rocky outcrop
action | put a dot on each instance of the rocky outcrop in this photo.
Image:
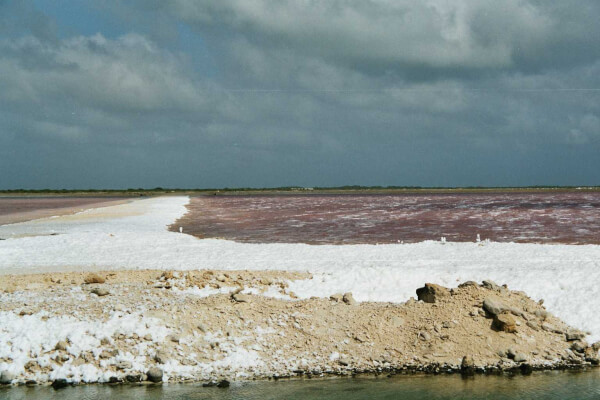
(430, 293)
(505, 322)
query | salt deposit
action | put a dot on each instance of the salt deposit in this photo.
(135, 236)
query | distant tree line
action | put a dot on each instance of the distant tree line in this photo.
(158, 190)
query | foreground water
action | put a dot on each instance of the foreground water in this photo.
(539, 386)
(554, 217)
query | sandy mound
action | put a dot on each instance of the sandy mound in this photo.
(213, 325)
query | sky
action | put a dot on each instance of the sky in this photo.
(264, 93)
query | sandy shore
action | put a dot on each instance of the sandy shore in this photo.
(209, 326)
(17, 217)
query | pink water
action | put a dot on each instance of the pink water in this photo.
(571, 217)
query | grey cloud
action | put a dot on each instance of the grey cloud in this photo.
(21, 17)
(308, 93)
(129, 73)
(399, 35)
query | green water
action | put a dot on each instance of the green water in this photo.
(539, 386)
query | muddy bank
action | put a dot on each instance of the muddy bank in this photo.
(210, 326)
(21, 209)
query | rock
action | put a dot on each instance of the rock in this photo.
(161, 357)
(467, 366)
(155, 375)
(344, 361)
(511, 353)
(221, 278)
(174, 338)
(431, 292)
(61, 345)
(148, 337)
(579, 346)
(123, 365)
(520, 357)
(449, 324)
(167, 275)
(551, 328)
(114, 379)
(424, 336)
(133, 378)
(59, 384)
(78, 362)
(266, 281)
(359, 337)
(596, 346)
(336, 297)
(348, 299)
(467, 283)
(505, 322)
(241, 298)
(187, 361)
(100, 291)
(30, 382)
(6, 377)
(526, 369)
(223, 384)
(105, 341)
(572, 335)
(32, 364)
(533, 325)
(93, 278)
(515, 312)
(105, 354)
(493, 305)
(591, 355)
(489, 284)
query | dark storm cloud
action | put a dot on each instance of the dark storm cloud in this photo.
(262, 93)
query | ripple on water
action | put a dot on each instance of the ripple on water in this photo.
(539, 386)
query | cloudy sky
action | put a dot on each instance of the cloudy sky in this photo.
(230, 93)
